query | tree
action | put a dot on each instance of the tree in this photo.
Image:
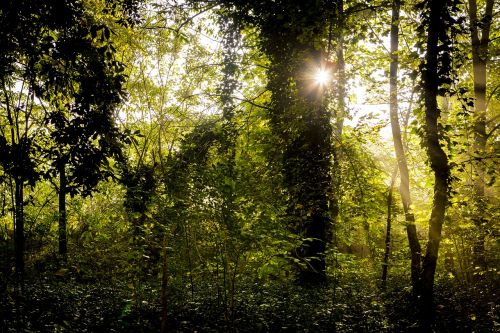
(19, 141)
(435, 72)
(291, 37)
(83, 131)
(336, 31)
(404, 187)
(387, 250)
(480, 40)
(70, 86)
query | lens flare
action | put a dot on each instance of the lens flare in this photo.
(322, 77)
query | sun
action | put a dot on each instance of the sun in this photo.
(322, 77)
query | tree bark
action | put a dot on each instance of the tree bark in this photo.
(340, 111)
(437, 157)
(480, 58)
(385, 263)
(63, 243)
(404, 189)
(19, 228)
(341, 89)
(164, 289)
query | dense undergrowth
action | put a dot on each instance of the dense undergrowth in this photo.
(68, 300)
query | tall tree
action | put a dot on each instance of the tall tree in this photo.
(387, 250)
(404, 187)
(60, 56)
(480, 38)
(291, 37)
(291, 33)
(83, 131)
(337, 18)
(83, 92)
(436, 70)
(21, 50)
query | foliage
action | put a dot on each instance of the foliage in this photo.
(216, 186)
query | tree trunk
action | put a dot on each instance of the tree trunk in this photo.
(302, 127)
(63, 243)
(341, 89)
(228, 86)
(340, 112)
(437, 157)
(385, 263)
(307, 174)
(19, 228)
(404, 189)
(19, 244)
(479, 63)
(164, 290)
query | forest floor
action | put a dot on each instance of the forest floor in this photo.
(61, 301)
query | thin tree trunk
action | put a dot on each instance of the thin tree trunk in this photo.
(385, 264)
(480, 58)
(18, 191)
(164, 291)
(340, 113)
(63, 243)
(19, 228)
(341, 89)
(4, 204)
(229, 85)
(404, 189)
(437, 157)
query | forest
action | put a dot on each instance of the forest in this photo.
(249, 166)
